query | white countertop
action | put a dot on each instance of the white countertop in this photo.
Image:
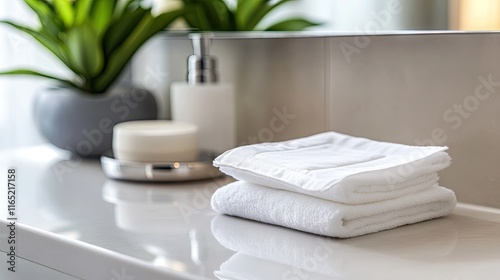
(73, 219)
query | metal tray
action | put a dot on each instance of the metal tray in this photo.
(160, 171)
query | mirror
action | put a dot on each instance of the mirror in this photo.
(372, 16)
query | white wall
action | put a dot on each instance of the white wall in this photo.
(17, 93)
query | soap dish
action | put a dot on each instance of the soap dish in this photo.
(160, 171)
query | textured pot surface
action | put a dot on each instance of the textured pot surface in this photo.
(83, 123)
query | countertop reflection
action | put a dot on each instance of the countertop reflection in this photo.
(172, 226)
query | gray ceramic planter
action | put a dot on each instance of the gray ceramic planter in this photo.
(83, 123)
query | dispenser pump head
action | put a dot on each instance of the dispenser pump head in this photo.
(202, 68)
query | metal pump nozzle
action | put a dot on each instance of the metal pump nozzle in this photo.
(202, 68)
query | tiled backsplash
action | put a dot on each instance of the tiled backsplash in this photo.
(413, 89)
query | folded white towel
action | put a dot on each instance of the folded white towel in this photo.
(337, 167)
(319, 216)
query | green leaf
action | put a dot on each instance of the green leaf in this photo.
(39, 7)
(296, 24)
(204, 23)
(65, 11)
(85, 51)
(37, 74)
(245, 10)
(121, 7)
(47, 42)
(42, 10)
(102, 13)
(119, 30)
(217, 14)
(82, 10)
(195, 16)
(262, 12)
(148, 27)
(208, 15)
(50, 23)
(190, 15)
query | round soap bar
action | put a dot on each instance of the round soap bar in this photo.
(155, 141)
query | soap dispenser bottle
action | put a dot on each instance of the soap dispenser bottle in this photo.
(204, 101)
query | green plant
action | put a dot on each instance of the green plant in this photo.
(94, 38)
(215, 15)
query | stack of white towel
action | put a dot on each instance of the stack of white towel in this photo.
(334, 184)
